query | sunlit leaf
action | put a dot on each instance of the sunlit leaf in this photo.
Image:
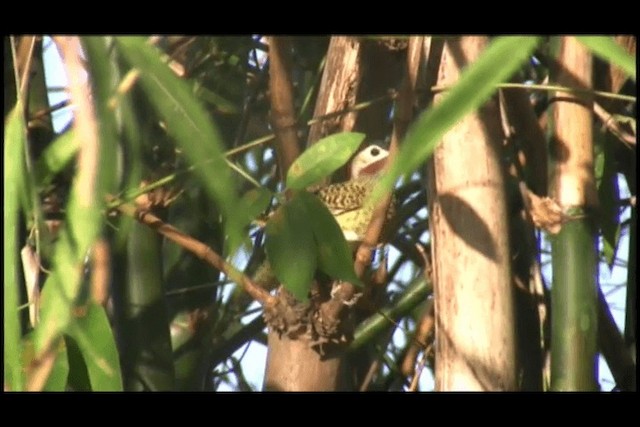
(84, 209)
(59, 291)
(14, 141)
(92, 332)
(190, 125)
(323, 158)
(57, 379)
(476, 84)
(101, 68)
(56, 157)
(607, 48)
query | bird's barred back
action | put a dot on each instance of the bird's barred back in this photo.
(345, 195)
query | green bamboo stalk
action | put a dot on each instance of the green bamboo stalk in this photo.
(146, 350)
(379, 322)
(574, 316)
(574, 296)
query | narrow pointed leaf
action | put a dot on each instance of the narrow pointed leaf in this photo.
(334, 255)
(290, 248)
(56, 157)
(501, 59)
(57, 380)
(255, 201)
(92, 332)
(191, 126)
(606, 48)
(14, 140)
(84, 210)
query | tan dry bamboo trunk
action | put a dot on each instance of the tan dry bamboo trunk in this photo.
(475, 342)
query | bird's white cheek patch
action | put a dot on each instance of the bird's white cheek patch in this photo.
(351, 236)
(374, 167)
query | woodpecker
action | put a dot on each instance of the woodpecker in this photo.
(347, 201)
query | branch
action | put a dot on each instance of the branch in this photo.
(282, 111)
(610, 122)
(199, 249)
(533, 156)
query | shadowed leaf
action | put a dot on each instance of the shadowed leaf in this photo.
(290, 248)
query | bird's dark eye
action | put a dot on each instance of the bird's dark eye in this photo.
(375, 151)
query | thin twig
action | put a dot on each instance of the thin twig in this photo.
(610, 122)
(554, 88)
(199, 249)
(418, 343)
(550, 88)
(418, 372)
(368, 379)
(101, 272)
(85, 120)
(45, 111)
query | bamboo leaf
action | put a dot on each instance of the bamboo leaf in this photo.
(84, 217)
(500, 60)
(57, 380)
(334, 255)
(56, 157)
(255, 202)
(100, 63)
(92, 332)
(222, 104)
(190, 125)
(59, 291)
(606, 48)
(323, 158)
(290, 248)
(14, 141)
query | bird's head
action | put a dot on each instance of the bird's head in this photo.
(369, 161)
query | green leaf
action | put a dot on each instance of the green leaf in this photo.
(290, 248)
(606, 48)
(92, 332)
(84, 218)
(323, 158)
(59, 291)
(102, 75)
(57, 380)
(255, 201)
(222, 104)
(55, 157)
(14, 169)
(188, 122)
(78, 375)
(334, 254)
(477, 83)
